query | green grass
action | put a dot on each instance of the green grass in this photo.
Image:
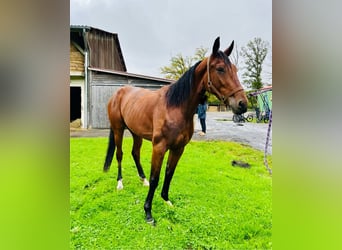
(216, 206)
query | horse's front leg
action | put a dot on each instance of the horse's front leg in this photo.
(172, 161)
(157, 160)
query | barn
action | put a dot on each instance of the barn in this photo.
(97, 70)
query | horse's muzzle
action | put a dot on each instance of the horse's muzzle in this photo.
(240, 108)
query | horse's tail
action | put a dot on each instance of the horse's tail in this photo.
(110, 151)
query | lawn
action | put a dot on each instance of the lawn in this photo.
(216, 205)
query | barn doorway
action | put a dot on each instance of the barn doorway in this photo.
(75, 103)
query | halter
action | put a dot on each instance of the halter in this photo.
(212, 86)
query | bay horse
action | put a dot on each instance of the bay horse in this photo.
(165, 116)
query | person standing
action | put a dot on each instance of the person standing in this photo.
(202, 113)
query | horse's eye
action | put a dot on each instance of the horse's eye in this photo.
(220, 70)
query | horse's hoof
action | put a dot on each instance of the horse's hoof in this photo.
(145, 183)
(151, 221)
(120, 185)
(169, 203)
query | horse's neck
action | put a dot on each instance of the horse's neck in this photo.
(188, 108)
(198, 85)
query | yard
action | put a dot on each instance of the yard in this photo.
(216, 205)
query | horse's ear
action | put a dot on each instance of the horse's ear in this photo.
(216, 45)
(229, 50)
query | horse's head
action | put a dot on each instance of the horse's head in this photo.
(222, 79)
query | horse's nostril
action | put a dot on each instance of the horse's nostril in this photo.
(242, 105)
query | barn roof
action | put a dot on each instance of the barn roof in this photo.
(81, 28)
(115, 72)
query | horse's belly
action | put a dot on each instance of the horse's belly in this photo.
(145, 133)
(140, 125)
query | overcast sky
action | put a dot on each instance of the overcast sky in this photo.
(152, 31)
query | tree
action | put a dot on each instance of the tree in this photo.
(179, 64)
(254, 53)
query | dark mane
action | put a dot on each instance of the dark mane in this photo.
(180, 90)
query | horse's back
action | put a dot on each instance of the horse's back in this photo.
(134, 107)
(139, 100)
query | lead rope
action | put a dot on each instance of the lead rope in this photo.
(267, 141)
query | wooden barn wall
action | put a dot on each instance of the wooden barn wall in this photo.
(104, 52)
(102, 87)
(76, 60)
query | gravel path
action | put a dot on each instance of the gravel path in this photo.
(219, 127)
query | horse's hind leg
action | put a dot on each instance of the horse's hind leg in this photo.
(115, 138)
(137, 142)
(118, 136)
(110, 151)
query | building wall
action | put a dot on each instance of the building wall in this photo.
(103, 86)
